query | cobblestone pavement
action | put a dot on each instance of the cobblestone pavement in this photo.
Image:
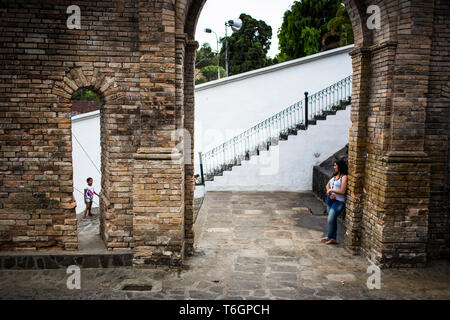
(250, 245)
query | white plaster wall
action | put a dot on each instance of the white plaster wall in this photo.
(227, 107)
(86, 128)
(289, 165)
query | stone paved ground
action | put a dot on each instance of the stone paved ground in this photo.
(250, 245)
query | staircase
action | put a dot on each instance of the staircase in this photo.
(288, 122)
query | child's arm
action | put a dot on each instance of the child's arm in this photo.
(96, 194)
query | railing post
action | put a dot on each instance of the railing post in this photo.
(201, 168)
(306, 110)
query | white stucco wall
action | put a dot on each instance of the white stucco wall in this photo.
(86, 128)
(289, 165)
(227, 107)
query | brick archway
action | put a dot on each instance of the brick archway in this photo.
(393, 217)
(104, 84)
(398, 152)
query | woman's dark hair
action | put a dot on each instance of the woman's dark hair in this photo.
(87, 180)
(342, 167)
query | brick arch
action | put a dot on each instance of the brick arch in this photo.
(76, 79)
(384, 149)
(192, 14)
(105, 85)
(356, 11)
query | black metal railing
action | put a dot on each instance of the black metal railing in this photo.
(279, 126)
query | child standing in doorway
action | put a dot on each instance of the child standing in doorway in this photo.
(89, 197)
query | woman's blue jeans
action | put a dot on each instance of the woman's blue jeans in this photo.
(334, 209)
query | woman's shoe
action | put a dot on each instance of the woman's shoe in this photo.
(331, 241)
(324, 240)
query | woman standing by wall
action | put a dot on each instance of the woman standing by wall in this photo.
(336, 189)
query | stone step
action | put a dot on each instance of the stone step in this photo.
(282, 137)
(320, 117)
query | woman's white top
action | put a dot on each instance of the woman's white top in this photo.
(336, 184)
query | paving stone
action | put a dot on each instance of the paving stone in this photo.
(232, 298)
(283, 276)
(245, 285)
(202, 295)
(325, 293)
(305, 291)
(248, 270)
(218, 290)
(285, 293)
(283, 268)
(238, 293)
(258, 269)
(250, 261)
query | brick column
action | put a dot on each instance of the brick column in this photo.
(158, 173)
(389, 170)
(437, 131)
(189, 114)
(357, 153)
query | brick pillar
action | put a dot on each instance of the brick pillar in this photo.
(437, 129)
(389, 171)
(189, 114)
(357, 147)
(158, 173)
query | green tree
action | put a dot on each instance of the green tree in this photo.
(340, 31)
(248, 47)
(205, 57)
(210, 72)
(311, 26)
(85, 94)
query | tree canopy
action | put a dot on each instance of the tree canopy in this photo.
(209, 73)
(311, 26)
(85, 94)
(205, 57)
(247, 51)
(248, 47)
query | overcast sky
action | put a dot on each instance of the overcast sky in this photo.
(216, 12)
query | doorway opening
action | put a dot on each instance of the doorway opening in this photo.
(86, 162)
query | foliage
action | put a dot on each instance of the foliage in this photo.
(200, 80)
(311, 26)
(247, 50)
(210, 72)
(340, 27)
(248, 47)
(205, 57)
(85, 94)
